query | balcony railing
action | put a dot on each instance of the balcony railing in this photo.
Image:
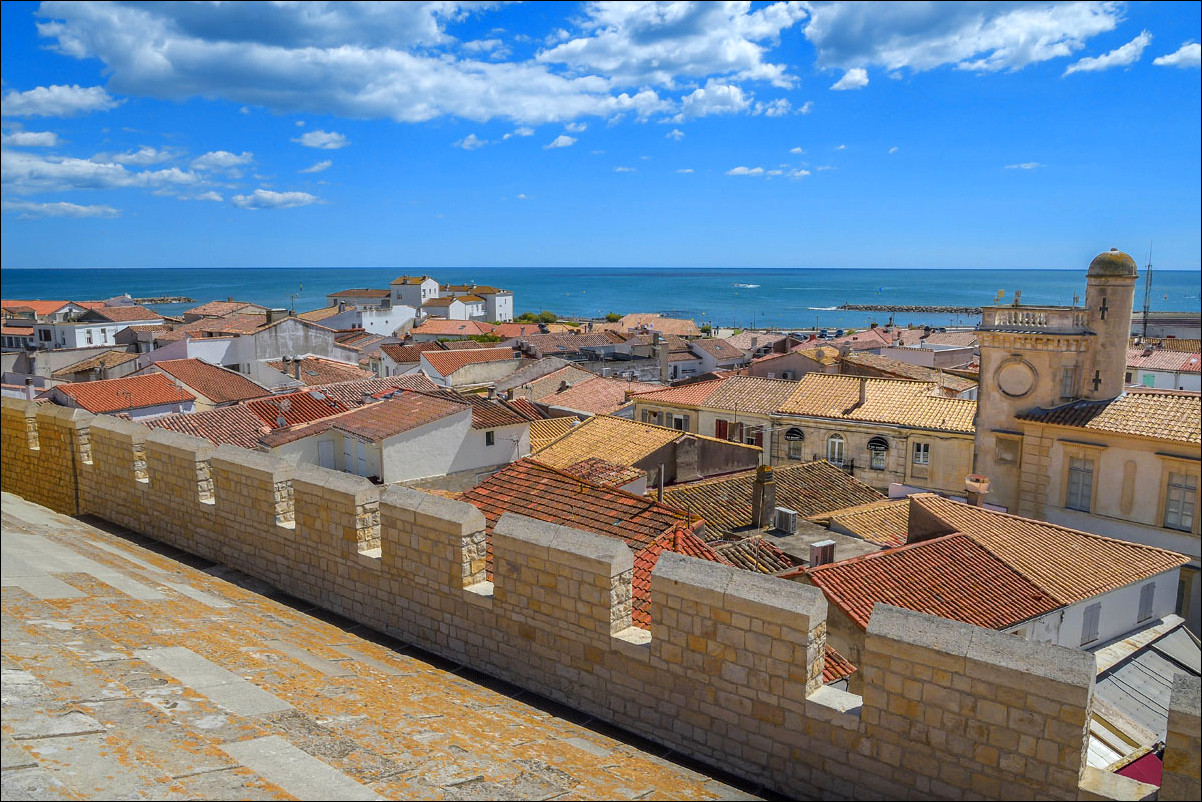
(1063, 319)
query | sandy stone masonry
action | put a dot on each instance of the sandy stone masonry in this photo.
(730, 672)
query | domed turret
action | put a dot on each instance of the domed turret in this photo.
(1113, 263)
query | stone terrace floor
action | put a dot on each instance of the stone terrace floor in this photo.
(132, 670)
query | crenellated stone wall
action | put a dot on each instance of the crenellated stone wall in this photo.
(730, 672)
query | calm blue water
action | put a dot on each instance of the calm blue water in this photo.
(741, 297)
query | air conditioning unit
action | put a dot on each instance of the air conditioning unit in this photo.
(822, 552)
(785, 520)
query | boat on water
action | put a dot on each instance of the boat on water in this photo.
(747, 286)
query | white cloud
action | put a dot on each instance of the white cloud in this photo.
(655, 44)
(982, 37)
(319, 167)
(521, 196)
(797, 150)
(222, 160)
(1123, 56)
(561, 141)
(26, 173)
(523, 131)
(29, 139)
(893, 150)
(675, 134)
(715, 97)
(685, 170)
(824, 168)
(773, 108)
(142, 157)
(363, 61)
(1189, 55)
(745, 171)
(855, 78)
(208, 196)
(28, 210)
(266, 199)
(624, 169)
(57, 101)
(470, 142)
(326, 140)
(798, 173)
(806, 107)
(575, 128)
(494, 48)
(1024, 166)
(840, 147)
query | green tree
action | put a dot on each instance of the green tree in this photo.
(547, 316)
(613, 317)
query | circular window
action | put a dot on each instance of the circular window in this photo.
(1016, 378)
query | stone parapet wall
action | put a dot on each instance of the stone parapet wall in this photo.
(730, 672)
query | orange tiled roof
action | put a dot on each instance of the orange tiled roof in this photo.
(750, 394)
(224, 308)
(487, 413)
(906, 403)
(121, 314)
(548, 383)
(885, 522)
(410, 280)
(447, 362)
(315, 370)
(893, 368)
(667, 325)
(131, 392)
(351, 392)
(295, 408)
(17, 331)
(318, 315)
(107, 359)
(410, 410)
(685, 395)
(217, 384)
(622, 441)
(39, 308)
(235, 426)
(1160, 414)
(364, 292)
(822, 354)
(755, 554)
(595, 395)
(1159, 359)
(951, 576)
(547, 430)
(602, 472)
(1189, 345)
(718, 348)
(743, 339)
(809, 488)
(452, 328)
(511, 330)
(1067, 564)
(410, 353)
(525, 407)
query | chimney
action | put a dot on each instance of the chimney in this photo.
(366, 398)
(229, 299)
(276, 314)
(296, 366)
(660, 349)
(763, 497)
(563, 385)
(755, 341)
(976, 487)
(30, 390)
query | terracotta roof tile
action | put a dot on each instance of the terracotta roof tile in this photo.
(121, 314)
(409, 353)
(808, 488)
(622, 441)
(559, 344)
(351, 393)
(1159, 414)
(410, 410)
(743, 339)
(131, 392)
(361, 293)
(1067, 564)
(39, 308)
(822, 354)
(667, 325)
(224, 308)
(462, 345)
(602, 472)
(755, 554)
(906, 403)
(836, 667)
(543, 432)
(235, 323)
(896, 369)
(318, 315)
(452, 328)
(523, 406)
(1158, 359)
(750, 394)
(315, 370)
(717, 348)
(595, 395)
(235, 426)
(447, 362)
(511, 330)
(679, 541)
(884, 522)
(685, 395)
(951, 576)
(547, 383)
(486, 413)
(410, 280)
(108, 359)
(295, 408)
(217, 384)
(1188, 345)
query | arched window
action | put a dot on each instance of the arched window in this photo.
(878, 449)
(834, 450)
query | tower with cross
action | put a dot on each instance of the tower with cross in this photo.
(1109, 300)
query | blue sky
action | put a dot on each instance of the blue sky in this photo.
(1022, 135)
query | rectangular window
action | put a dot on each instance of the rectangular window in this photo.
(89, 335)
(646, 416)
(1181, 500)
(1147, 595)
(1127, 377)
(680, 423)
(490, 438)
(1149, 380)
(877, 460)
(1089, 627)
(1068, 383)
(1007, 451)
(1080, 484)
(795, 449)
(44, 335)
(922, 453)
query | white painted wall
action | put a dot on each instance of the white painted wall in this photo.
(428, 450)
(499, 308)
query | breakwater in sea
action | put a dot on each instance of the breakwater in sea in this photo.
(926, 310)
(165, 299)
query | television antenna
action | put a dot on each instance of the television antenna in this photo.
(1147, 293)
(294, 296)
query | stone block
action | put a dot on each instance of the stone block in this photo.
(690, 578)
(1045, 669)
(916, 636)
(328, 482)
(107, 427)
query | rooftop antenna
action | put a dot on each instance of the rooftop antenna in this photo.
(997, 301)
(1147, 293)
(294, 296)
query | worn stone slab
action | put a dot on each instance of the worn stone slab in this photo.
(125, 555)
(766, 596)
(36, 725)
(13, 757)
(309, 659)
(43, 587)
(197, 595)
(296, 771)
(36, 553)
(225, 688)
(1059, 673)
(691, 578)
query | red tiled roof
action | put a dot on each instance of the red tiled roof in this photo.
(452, 328)
(39, 308)
(687, 395)
(398, 414)
(235, 323)
(217, 384)
(131, 392)
(836, 667)
(360, 293)
(523, 406)
(718, 349)
(680, 541)
(17, 331)
(447, 362)
(107, 359)
(1158, 359)
(351, 393)
(1161, 414)
(295, 408)
(951, 576)
(602, 472)
(223, 308)
(755, 554)
(235, 426)
(462, 345)
(486, 413)
(405, 354)
(597, 395)
(121, 314)
(316, 370)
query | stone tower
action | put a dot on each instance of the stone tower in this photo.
(1109, 298)
(1046, 356)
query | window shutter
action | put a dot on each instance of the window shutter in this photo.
(1146, 596)
(720, 429)
(759, 437)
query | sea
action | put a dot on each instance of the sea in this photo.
(781, 298)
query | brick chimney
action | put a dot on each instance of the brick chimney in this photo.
(30, 390)
(763, 497)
